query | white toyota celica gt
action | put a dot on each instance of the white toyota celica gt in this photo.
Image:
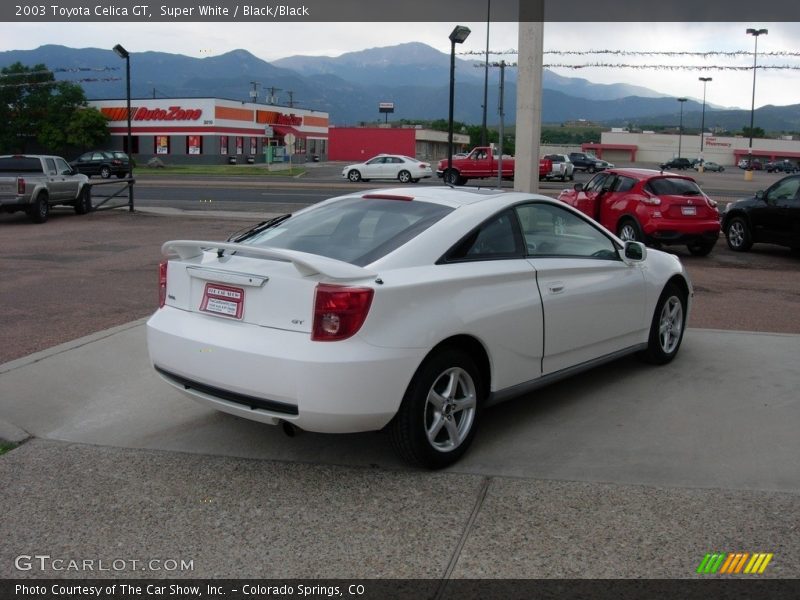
(382, 309)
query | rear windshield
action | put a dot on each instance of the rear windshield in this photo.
(355, 230)
(20, 164)
(672, 186)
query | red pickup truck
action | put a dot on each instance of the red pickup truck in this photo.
(481, 163)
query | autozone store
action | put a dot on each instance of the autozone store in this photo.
(214, 130)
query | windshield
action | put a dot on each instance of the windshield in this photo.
(673, 186)
(355, 230)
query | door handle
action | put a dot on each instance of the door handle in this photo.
(556, 287)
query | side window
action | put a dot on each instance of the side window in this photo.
(596, 183)
(51, 166)
(494, 238)
(623, 184)
(785, 190)
(62, 166)
(553, 231)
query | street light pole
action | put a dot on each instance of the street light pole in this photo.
(755, 33)
(484, 135)
(680, 126)
(124, 54)
(457, 36)
(705, 80)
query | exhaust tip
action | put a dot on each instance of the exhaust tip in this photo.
(289, 429)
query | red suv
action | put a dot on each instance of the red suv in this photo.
(649, 206)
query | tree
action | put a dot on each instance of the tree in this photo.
(34, 106)
(758, 132)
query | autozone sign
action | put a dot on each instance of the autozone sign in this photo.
(171, 113)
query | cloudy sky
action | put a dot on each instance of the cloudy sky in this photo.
(272, 41)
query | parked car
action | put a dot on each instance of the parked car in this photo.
(754, 165)
(33, 183)
(410, 311)
(771, 216)
(649, 206)
(561, 167)
(586, 162)
(709, 165)
(781, 166)
(602, 165)
(104, 163)
(677, 163)
(389, 166)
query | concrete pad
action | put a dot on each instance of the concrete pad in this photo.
(723, 414)
(230, 517)
(576, 530)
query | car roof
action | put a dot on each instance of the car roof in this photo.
(642, 174)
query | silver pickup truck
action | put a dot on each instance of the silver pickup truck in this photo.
(33, 183)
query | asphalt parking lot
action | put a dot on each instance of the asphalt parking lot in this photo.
(626, 472)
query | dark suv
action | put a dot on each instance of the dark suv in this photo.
(784, 166)
(677, 163)
(102, 162)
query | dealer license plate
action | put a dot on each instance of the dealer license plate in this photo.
(223, 300)
(688, 210)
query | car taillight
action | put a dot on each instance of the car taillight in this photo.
(339, 311)
(162, 284)
(651, 200)
(20, 186)
(423, 165)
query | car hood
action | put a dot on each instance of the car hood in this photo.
(743, 203)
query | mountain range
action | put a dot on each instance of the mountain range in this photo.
(414, 76)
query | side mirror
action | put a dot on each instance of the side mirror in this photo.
(578, 187)
(760, 195)
(634, 252)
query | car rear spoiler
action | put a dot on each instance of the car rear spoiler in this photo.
(307, 264)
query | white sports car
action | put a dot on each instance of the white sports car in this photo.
(411, 312)
(389, 166)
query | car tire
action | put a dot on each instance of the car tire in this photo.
(701, 248)
(590, 169)
(629, 230)
(354, 176)
(451, 177)
(737, 234)
(83, 204)
(667, 327)
(121, 175)
(40, 209)
(404, 176)
(439, 413)
(105, 172)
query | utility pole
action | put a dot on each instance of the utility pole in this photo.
(291, 98)
(500, 110)
(271, 98)
(254, 91)
(529, 99)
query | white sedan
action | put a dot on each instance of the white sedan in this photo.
(389, 166)
(382, 309)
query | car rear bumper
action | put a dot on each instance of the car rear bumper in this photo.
(271, 375)
(672, 232)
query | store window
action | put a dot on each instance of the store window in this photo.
(194, 144)
(253, 146)
(162, 144)
(223, 144)
(239, 145)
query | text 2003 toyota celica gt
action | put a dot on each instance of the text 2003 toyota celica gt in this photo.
(382, 309)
